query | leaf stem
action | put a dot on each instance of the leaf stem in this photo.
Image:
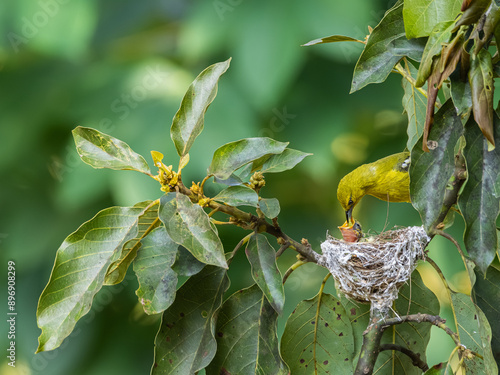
(292, 268)
(410, 79)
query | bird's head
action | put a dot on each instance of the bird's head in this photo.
(349, 194)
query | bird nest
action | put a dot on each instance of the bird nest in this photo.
(374, 270)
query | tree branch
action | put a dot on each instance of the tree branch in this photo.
(373, 334)
(415, 357)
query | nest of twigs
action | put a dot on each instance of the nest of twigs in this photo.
(373, 270)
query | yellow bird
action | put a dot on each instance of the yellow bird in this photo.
(386, 179)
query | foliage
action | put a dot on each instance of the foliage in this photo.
(453, 155)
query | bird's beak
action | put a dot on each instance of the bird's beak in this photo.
(348, 216)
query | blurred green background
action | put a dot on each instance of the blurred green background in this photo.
(122, 67)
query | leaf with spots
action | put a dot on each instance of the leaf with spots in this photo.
(247, 342)
(153, 267)
(186, 264)
(231, 156)
(100, 150)
(185, 342)
(262, 258)
(189, 225)
(318, 338)
(477, 202)
(188, 121)
(79, 271)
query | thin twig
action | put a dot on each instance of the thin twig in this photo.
(282, 249)
(415, 357)
(292, 268)
(243, 241)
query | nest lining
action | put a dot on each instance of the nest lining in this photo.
(373, 271)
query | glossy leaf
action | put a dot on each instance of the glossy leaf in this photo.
(247, 342)
(386, 45)
(185, 342)
(440, 35)
(472, 11)
(420, 16)
(270, 207)
(414, 104)
(189, 225)
(188, 121)
(477, 203)
(332, 39)
(153, 267)
(262, 258)
(79, 270)
(283, 162)
(430, 171)
(486, 293)
(100, 150)
(234, 155)
(318, 338)
(482, 86)
(147, 222)
(186, 264)
(238, 196)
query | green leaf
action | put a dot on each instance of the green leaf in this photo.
(147, 222)
(415, 106)
(472, 324)
(157, 280)
(386, 45)
(318, 337)
(185, 342)
(439, 369)
(186, 264)
(262, 258)
(79, 270)
(472, 11)
(238, 196)
(477, 202)
(482, 86)
(188, 121)
(269, 207)
(420, 16)
(430, 171)
(234, 155)
(332, 39)
(440, 35)
(189, 225)
(486, 294)
(232, 180)
(247, 342)
(283, 162)
(100, 150)
(461, 95)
